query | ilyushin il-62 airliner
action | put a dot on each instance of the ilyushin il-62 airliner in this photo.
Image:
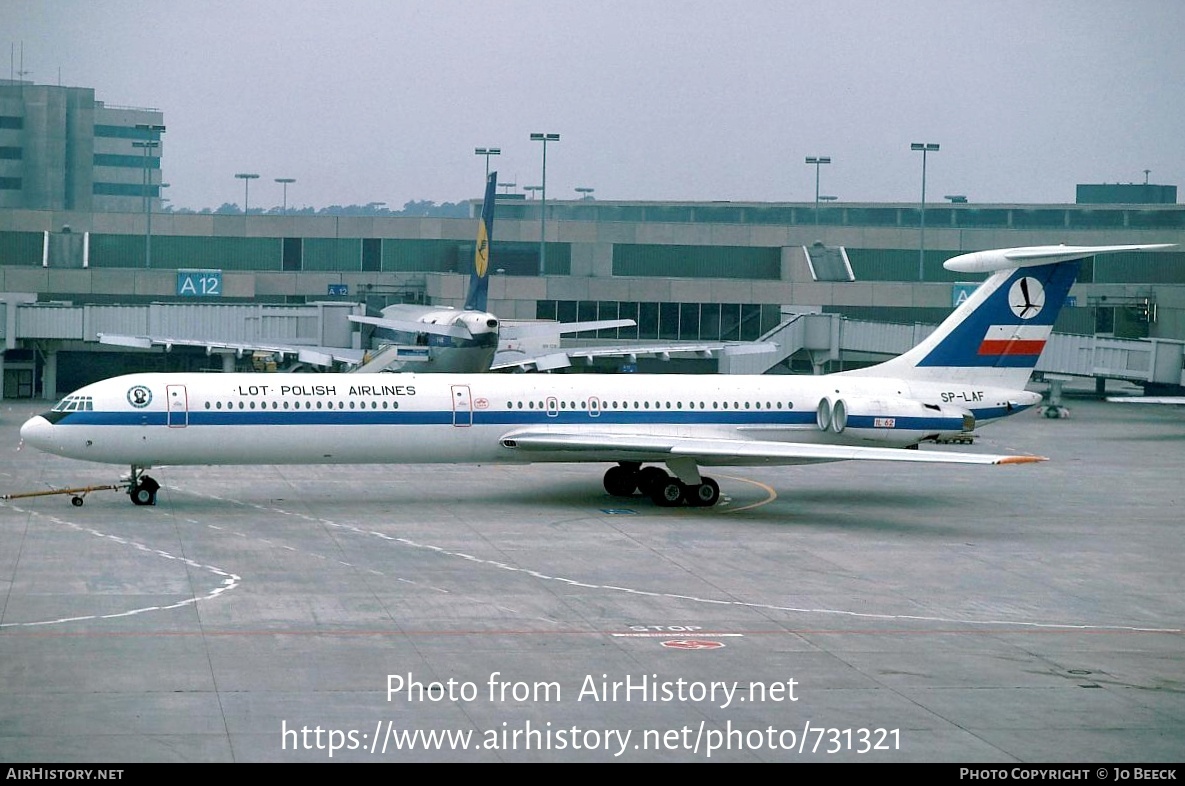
(973, 369)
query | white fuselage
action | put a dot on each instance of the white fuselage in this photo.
(153, 419)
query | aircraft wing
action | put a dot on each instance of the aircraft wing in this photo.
(1176, 400)
(562, 358)
(313, 355)
(640, 447)
(529, 329)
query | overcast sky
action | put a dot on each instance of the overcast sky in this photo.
(385, 101)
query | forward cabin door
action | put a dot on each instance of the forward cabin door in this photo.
(178, 415)
(462, 406)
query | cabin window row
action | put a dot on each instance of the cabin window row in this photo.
(306, 405)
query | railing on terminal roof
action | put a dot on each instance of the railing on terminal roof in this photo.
(104, 105)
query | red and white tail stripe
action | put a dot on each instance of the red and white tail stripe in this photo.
(1015, 339)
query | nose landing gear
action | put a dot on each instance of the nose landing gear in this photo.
(142, 488)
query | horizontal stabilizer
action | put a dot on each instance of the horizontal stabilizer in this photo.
(1031, 256)
(412, 326)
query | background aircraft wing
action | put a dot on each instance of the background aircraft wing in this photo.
(313, 355)
(641, 447)
(562, 358)
(533, 329)
(1177, 400)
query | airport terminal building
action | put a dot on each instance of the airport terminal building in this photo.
(84, 249)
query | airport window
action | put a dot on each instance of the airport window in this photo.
(9, 121)
(291, 254)
(668, 321)
(10, 184)
(372, 254)
(647, 320)
(127, 162)
(126, 132)
(124, 189)
(11, 153)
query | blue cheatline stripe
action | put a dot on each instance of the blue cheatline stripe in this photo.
(433, 417)
(406, 417)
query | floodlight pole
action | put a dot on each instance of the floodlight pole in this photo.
(544, 138)
(487, 152)
(924, 147)
(150, 129)
(817, 161)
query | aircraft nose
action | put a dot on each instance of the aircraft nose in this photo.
(38, 432)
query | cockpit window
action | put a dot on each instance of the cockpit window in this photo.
(74, 404)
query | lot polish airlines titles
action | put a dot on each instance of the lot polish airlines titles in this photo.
(325, 390)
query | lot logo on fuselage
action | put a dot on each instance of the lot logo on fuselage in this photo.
(1026, 298)
(139, 396)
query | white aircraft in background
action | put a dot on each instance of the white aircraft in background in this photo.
(448, 340)
(435, 339)
(972, 369)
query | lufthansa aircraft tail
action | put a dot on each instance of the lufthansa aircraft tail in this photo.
(479, 282)
(996, 335)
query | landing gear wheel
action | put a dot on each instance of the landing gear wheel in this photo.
(705, 495)
(621, 481)
(669, 493)
(649, 479)
(76, 502)
(143, 491)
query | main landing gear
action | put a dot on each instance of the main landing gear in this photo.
(142, 488)
(666, 491)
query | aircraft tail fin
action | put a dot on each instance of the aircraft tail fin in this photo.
(995, 337)
(479, 282)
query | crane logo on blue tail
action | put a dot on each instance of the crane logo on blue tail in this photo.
(479, 283)
(1011, 326)
(1026, 297)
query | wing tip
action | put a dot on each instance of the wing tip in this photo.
(1022, 459)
